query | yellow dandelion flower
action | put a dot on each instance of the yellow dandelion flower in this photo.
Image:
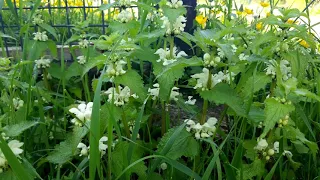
(239, 13)
(248, 11)
(201, 20)
(264, 4)
(259, 26)
(304, 44)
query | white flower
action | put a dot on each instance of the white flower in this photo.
(190, 101)
(154, 92)
(163, 166)
(243, 57)
(124, 16)
(262, 145)
(234, 48)
(202, 79)
(285, 69)
(42, 63)
(271, 68)
(220, 53)
(119, 96)
(83, 43)
(218, 78)
(276, 146)
(15, 147)
(287, 153)
(115, 68)
(103, 147)
(179, 25)
(176, 28)
(40, 36)
(37, 19)
(84, 149)
(81, 59)
(17, 103)
(175, 3)
(3, 160)
(167, 58)
(83, 113)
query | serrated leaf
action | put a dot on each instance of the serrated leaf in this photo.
(134, 81)
(183, 145)
(17, 129)
(251, 170)
(223, 94)
(66, 149)
(273, 112)
(172, 73)
(255, 83)
(173, 14)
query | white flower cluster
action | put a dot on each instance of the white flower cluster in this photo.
(17, 103)
(167, 58)
(176, 28)
(175, 4)
(15, 147)
(221, 53)
(82, 59)
(210, 61)
(82, 112)
(102, 147)
(40, 36)
(83, 43)
(190, 101)
(202, 131)
(263, 147)
(285, 69)
(124, 16)
(203, 79)
(243, 57)
(115, 68)
(119, 95)
(154, 92)
(37, 19)
(152, 15)
(42, 63)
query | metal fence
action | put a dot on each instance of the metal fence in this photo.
(65, 10)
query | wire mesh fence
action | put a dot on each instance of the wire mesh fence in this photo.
(63, 15)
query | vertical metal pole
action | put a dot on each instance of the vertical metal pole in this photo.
(4, 39)
(84, 10)
(103, 21)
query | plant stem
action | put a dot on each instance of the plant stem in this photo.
(163, 119)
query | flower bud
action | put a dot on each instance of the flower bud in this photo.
(270, 152)
(267, 158)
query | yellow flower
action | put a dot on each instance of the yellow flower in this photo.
(239, 13)
(259, 26)
(248, 11)
(304, 44)
(264, 4)
(201, 20)
(268, 14)
(290, 21)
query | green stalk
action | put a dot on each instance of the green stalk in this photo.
(125, 124)
(163, 118)
(205, 102)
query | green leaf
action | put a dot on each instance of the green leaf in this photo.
(223, 94)
(134, 81)
(273, 112)
(50, 29)
(255, 83)
(17, 129)
(173, 14)
(307, 93)
(183, 145)
(172, 73)
(106, 6)
(249, 171)
(66, 149)
(119, 160)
